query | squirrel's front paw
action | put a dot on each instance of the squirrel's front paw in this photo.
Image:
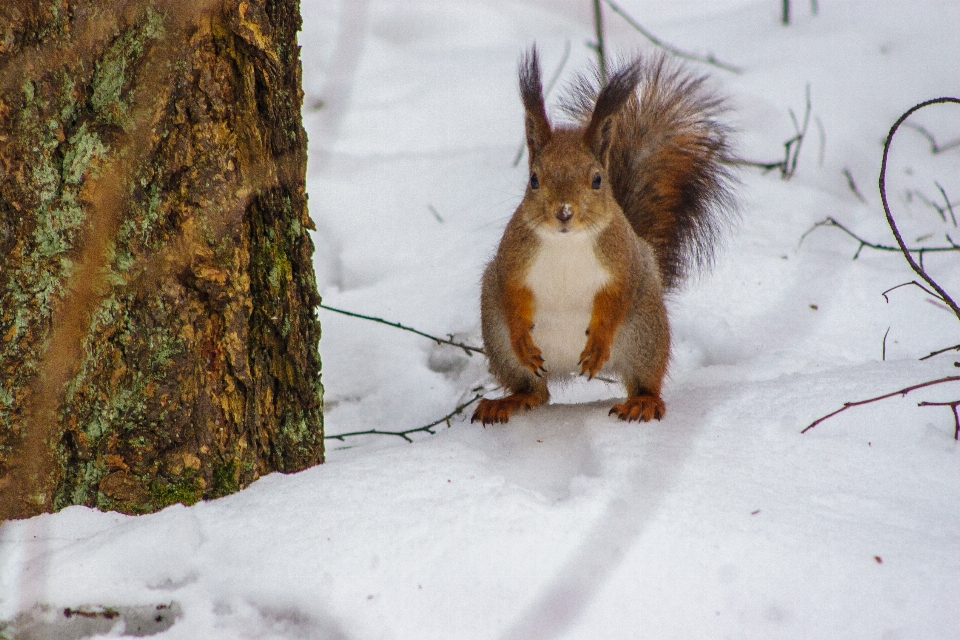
(529, 355)
(643, 408)
(594, 356)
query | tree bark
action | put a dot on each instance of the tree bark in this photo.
(158, 335)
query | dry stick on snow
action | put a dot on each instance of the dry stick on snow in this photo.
(947, 200)
(899, 392)
(830, 221)
(601, 50)
(956, 416)
(942, 211)
(853, 185)
(791, 148)
(955, 347)
(428, 428)
(708, 59)
(396, 325)
(918, 269)
(934, 147)
(823, 140)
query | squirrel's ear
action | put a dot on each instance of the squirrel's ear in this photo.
(618, 90)
(531, 91)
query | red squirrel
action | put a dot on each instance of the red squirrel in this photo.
(619, 207)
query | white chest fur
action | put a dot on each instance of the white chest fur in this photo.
(564, 277)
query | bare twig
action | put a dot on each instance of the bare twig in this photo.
(601, 51)
(899, 392)
(942, 211)
(918, 269)
(829, 221)
(467, 348)
(907, 284)
(884, 352)
(766, 166)
(794, 143)
(823, 140)
(427, 428)
(791, 148)
(956, 416)
(955, 347)
(853, 185)
(946, 200)
(934, 147)
(708, 59)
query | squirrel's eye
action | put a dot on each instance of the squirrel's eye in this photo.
(596, 181)
(534, 181)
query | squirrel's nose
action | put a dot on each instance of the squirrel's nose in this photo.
(564, 213)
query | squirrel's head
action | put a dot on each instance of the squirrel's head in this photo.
(569, 188)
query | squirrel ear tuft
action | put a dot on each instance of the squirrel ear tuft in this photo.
(531, 91)
(618, 90)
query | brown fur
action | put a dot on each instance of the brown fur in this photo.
(639, 178)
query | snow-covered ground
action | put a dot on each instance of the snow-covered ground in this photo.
(721, 521)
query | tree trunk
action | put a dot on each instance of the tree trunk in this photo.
(158, 336)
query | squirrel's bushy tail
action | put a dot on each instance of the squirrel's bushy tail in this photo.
(669, 161)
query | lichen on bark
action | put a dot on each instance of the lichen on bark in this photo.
(158, 336)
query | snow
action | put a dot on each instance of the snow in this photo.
(721, 521)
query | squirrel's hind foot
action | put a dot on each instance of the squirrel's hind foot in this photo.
(499, 410)
(643, 408)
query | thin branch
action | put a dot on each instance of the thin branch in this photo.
(884, 352)
(947, 200)
(766, 166)
(853, 185)
(918, 269)
(709, 59)
(941, 210)
(553, 81)
(467, 348)
(601, 50)
(934, 147)
(823, 140)
(791, 148)
(899, 392)
(830, 221)
(794, 143)
(956, 416)
(955, 347)
(436, 215)
(427, 428)
(907, 284)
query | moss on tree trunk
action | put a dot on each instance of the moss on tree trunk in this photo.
(158, 336)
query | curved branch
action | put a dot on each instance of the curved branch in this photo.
(709, 59)
(918, 269)
(428, 428)
(467, 348)
(899, 392)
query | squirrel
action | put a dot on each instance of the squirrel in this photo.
(619, 207)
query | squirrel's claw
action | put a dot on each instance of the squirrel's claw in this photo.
(594, 356)
(529, 355)
(642, 408)
(498, 411)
